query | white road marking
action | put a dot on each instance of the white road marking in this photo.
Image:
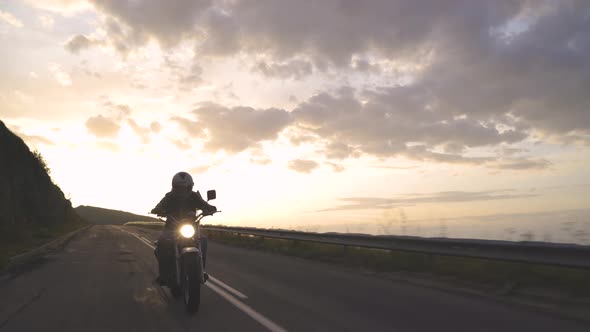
(228, 287)
(270, 325)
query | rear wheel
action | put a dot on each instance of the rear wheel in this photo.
(192, 283)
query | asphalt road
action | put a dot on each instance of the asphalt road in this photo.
(103, 281)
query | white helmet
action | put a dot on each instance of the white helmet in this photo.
(182, 180)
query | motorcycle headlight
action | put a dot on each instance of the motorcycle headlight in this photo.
(187, 231)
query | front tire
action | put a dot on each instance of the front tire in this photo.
(192, 283)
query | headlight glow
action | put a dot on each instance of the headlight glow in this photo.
(187, 231)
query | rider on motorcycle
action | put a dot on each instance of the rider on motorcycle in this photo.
(179, 203)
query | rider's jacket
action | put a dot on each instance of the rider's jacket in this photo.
(178, 206)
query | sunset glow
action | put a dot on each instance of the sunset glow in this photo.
(405, 117)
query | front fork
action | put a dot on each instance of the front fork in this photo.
(187, 253)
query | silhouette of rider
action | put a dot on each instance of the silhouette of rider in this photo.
(179, 203)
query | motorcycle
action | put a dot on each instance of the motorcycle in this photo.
(187, 275)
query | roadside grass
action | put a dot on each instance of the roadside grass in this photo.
(492, 275)
(19, 240)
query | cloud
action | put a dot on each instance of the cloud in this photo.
(183, 145)
(303, 166)
(361, 203)
(46, 21)
(261, 161)
(167, 22)
(204, 168)
(365, 66)
(81, 42)
(188, 77)
(385, 122)
(63, 7)
(396, 167)
(23, 97)
(143, 133)
(106, 145)
(509, 62)
(336, 167)
(193, 128)
(155, 127)
(339, 150)
(118, 112)
(31, 139)
(101, 126)
(117, 116)
(10, 19)
(455, 77)
(523, 164)
(293, 69)
(221, 32)
(62, 77)
(199, 169)
(234, 129)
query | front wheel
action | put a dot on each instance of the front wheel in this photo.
(192, 283)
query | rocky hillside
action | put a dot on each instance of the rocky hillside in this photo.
(31, 205)
(102, 216)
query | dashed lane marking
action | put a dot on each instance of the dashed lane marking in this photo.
(261, 319)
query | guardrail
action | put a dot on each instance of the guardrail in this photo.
(566, 255)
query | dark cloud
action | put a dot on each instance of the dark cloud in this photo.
(80, 42)
(221, 34)
(187, 77)
(298, 139)
(387, 121)
(192, 128)
(303, 166)
(193, 78)
(293, 69)
(101, 126)
(135, 22)
(339, 150)
(234, 129)
(365, 66)
(361, 203)
(476, 74)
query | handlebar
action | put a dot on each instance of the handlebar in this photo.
(197, 218)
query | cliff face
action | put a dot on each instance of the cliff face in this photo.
(28, 198)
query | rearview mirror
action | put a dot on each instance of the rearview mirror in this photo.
(211, 194)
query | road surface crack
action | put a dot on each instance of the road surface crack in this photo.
(23, 307)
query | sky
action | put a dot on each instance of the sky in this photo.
(431, 118)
